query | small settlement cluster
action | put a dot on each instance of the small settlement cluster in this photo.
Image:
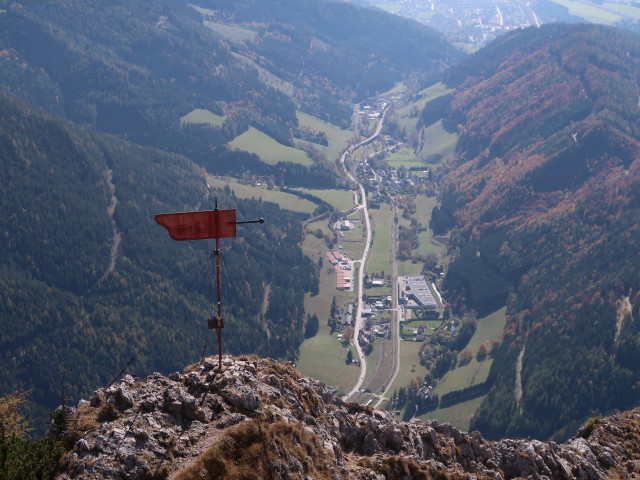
(343, 268)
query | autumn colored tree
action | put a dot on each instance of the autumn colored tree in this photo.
(12, 420)
(465, 356)
(347, 335)
(483, 351)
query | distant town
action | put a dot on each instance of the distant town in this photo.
(462, 21)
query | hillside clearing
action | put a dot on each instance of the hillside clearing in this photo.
(489, 328)
(336, 136)
(341, 200)
(438, 144)
(459, 415)
(269, 151)
(287, 201)
(201, 115)
(590, 12)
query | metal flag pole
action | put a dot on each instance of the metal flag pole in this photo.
(216, 323)
(202, 225)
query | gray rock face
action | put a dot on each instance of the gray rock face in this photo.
(159, 426)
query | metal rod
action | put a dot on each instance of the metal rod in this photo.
(219, 319)
(260, 220)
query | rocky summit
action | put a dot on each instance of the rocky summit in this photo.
(257, 418)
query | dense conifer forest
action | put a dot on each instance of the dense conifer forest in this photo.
(66, 315)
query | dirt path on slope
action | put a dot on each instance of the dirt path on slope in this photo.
(117, 236)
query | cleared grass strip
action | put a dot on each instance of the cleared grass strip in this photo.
(269, 151)
(200, 115)
(287, 201)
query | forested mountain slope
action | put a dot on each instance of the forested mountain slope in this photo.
(66, 315)
(339, 49)
(544, 199)
(134, 69)
(87, 278)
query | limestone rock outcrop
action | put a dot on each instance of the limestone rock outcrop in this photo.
(263, 419)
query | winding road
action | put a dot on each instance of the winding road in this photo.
(363, 260)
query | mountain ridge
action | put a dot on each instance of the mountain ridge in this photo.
(260, 418)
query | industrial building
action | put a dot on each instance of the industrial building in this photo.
(417, 289)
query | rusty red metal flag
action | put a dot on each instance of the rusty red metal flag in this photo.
(199, 225)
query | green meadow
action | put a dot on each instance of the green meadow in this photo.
(434, 91)
(589, 12)
(232, 32)
(323, 356)
(410, 367)
(407, 267)
(353, 241)
(200, 115)
(380, 253)
(438, 144)
(337, 137)
(489, 328)
(403, 158)
(427, 243)
(397, 88)
(629, 10)
(287, 201)
(459, 415)
(269, 151)
(341, 200)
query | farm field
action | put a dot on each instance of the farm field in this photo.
(457, 415)
(379, 259)
(352, 241)
(230, 32)
(403, 159)
(590, 13)
(341, 200)
(200, 115)
(410, 367)
(489, 328)
(323, 356)
(630, 10)
(287, 201)
(407, 267)
(336, 136)
(438, 144)
(269, 151)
